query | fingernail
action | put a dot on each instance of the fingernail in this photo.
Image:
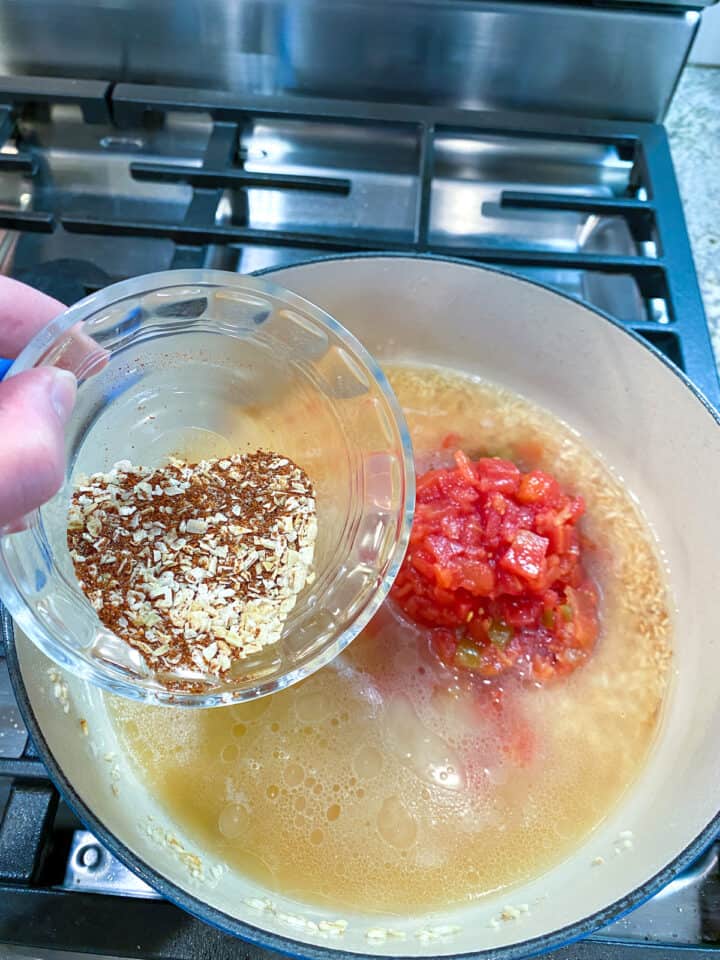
(62, 393)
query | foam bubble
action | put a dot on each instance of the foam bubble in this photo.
(313, 705)
(293, 774)
(418, 747)
(229, 753)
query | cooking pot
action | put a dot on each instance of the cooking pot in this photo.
(661, 437)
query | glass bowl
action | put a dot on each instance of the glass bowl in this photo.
(198, 364)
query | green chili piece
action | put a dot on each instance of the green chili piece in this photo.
(500, 633)
(468, 656)
(548, 619)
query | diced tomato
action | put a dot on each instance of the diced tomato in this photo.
(493, 526)
(477, 578)
(422, 565)
(508, 583)
(442, 547)
(467, 469)
(496, 474)
(562, 538)
(538, 487)
(526, 555)
(520, 612)
(494, 569)
(451, 441)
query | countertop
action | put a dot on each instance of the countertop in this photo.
(693, 125)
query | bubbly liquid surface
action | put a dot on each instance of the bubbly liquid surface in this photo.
(383, 783)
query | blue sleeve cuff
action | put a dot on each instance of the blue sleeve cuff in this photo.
(4, 366)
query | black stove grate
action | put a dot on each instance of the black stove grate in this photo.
(35, 911)
(663, 271)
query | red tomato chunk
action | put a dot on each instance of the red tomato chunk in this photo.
(494, 570)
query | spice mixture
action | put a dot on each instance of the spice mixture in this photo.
(195, 565)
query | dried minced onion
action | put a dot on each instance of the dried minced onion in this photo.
(195, 565)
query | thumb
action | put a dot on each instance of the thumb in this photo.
(34, 408)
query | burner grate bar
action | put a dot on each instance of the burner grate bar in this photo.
(562, 201)
(7, 123)
(25, 831)
(640, 214)
(29, 221)
(427, 170)
(132, 101)
(192, 235)
(234, 178)
(13, 162)
(188, 257)
(18, 163)
(683, 294)
(25, 767)
(220, 152)
(92, 96)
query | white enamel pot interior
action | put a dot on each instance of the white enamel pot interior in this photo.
(658, 435)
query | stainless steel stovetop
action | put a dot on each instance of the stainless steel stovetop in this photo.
(99, 182)
(366, 186)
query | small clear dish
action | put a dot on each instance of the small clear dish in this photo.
(198, 364)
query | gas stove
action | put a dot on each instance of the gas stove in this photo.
(101, 181)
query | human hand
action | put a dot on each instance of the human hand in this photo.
(34, 408)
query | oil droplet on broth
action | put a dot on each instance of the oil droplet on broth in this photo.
(233, 821)
(367, 762)
(415, 801)
(396, 825)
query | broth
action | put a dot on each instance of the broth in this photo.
(383, 783)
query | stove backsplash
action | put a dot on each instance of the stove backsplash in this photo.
(607, 60)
